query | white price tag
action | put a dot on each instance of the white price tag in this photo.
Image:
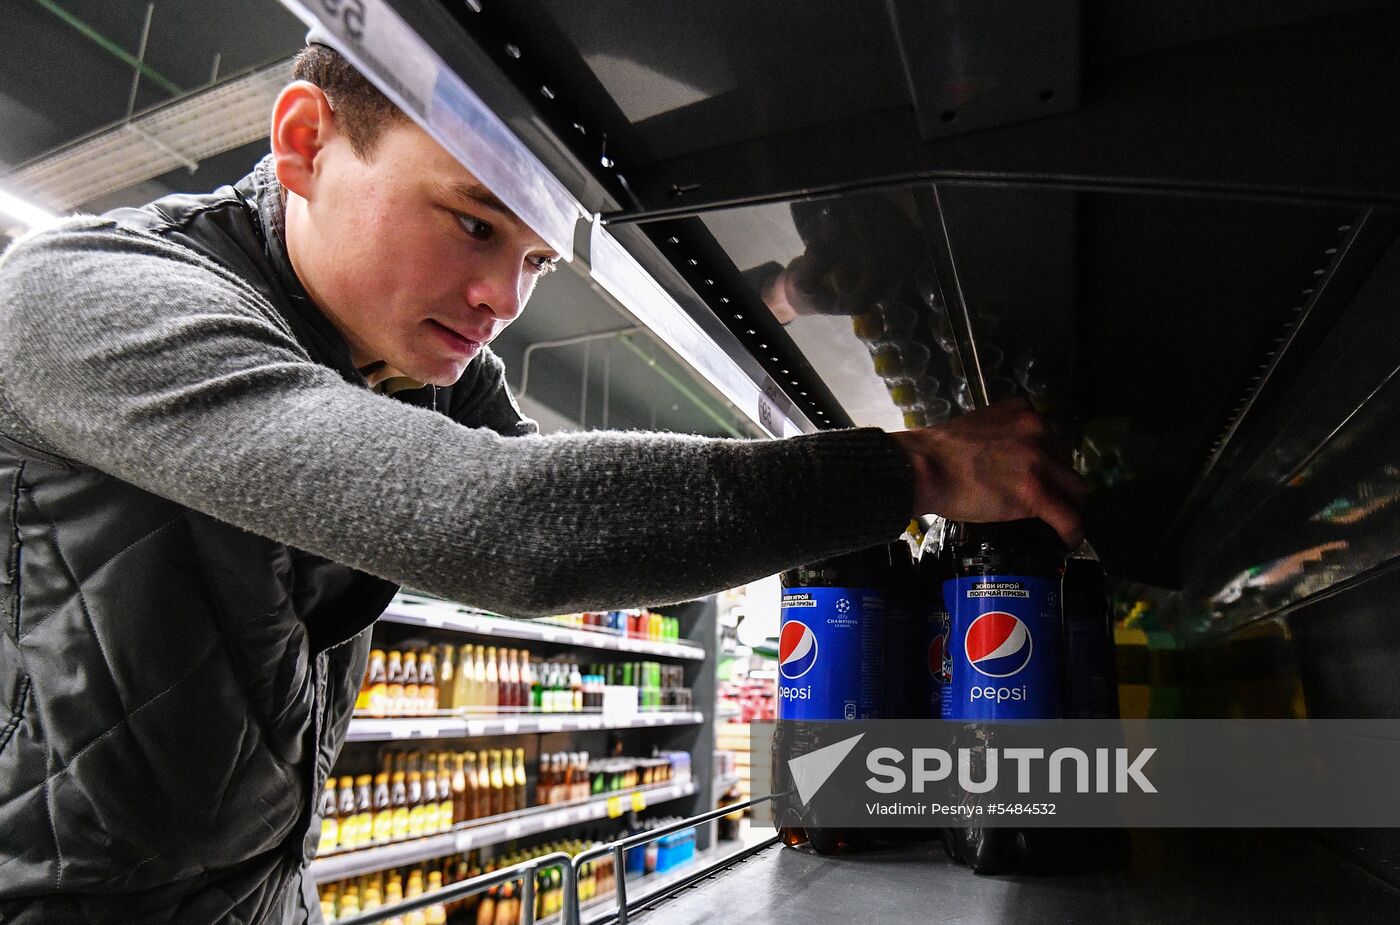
(551, 725)
(548, 635)
(475, 727)
(511, 726)
(400, 731)
(513, 829)
(371, 31)
(464, 841)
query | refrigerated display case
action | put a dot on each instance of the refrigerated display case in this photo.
(1173, 229)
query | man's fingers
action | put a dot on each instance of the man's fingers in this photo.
(1067, 482)
(1063, 519)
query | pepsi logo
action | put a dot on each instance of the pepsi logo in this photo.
(935, 656)
(797, 650)
(998, 644)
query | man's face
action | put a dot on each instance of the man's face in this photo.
(411, 258)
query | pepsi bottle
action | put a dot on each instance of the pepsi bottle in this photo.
(830, 652)
(904, 682)
(1004, 622)
(935, 566)
(1004, 635)
(1089, 677)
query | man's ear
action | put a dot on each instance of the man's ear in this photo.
(302, 126)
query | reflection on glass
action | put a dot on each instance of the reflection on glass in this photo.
(864, 259)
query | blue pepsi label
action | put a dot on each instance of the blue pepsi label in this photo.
(830, 653)
(1004, 641)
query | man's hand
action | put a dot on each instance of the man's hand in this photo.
(996, 464)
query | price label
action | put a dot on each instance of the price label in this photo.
(551, 725)
(615, 807)
(513, 829)
(475, 727)
(639, 802)
(773, 407)
(464, 841)
(548, 636)
(400, 731)
(351, 15)
(511, 725)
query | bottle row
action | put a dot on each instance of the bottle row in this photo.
(476, 679)
(500, 905)
(990, 623)
(634, 624)
(417, 793)
(567, 776)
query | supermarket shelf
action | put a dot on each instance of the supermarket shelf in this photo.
(423, 611)
(516, 825)
(1167, 876)
(366, 729)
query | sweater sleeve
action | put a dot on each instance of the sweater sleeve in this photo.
(137, 357)
(488, 401)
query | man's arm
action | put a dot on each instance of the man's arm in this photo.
(486, 401)
(128, 354)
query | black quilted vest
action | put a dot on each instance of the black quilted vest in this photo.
(173, 690)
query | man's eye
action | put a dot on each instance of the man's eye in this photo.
(544, 264)
(474, 226)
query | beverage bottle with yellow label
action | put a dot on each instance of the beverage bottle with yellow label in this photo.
(375, 690)
(382, 828)
(415, 804)
(427, 683)
(364, 810)
(436, 914)
(330, 823)
(446, 817)
(393, 691)
(431, 823)
(409, 704)
(398, 798)
(349, 831)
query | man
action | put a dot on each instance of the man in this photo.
(231, 425)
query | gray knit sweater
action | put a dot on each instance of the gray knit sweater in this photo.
(138, 357)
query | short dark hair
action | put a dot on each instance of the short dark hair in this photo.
(361, 111)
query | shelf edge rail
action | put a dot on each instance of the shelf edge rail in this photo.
(524, 872)
(573, 914)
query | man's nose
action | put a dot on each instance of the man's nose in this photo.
(497, 291)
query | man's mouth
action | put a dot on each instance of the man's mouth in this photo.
(460, 342)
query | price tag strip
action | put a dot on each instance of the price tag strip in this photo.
(372, 729)
(420, 611)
